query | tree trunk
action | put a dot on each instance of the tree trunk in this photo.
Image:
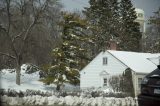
(18, 75)
(58, 87)
(18, 70)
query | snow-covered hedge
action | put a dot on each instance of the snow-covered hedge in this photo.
(14, 93)
(102, 92)
(85, 93)
(68, 101)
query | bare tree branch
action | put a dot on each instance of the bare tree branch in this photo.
(7, 54)
(17, 36)
(8, 2)
(2, 28)
(8, 29)
(37, 16)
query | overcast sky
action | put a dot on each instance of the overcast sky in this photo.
(149, 6)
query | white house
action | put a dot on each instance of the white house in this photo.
(112, 62)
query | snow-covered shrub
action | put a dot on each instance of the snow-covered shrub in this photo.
(84, 94)
(69, 101)
(63, 94)
(21, 94)
(3, 92)
(115, 94)
(77, 94)
(29, 68)
(102, 92)
(12, 93)
(36, 92)
(95, 94)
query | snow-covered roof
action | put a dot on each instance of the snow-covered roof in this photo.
(156, 55)
(138, 62)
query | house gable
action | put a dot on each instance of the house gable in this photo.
(90, 75)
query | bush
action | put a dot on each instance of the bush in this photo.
(95, 94)
(85, 93)
(12, 93)
(3, 92)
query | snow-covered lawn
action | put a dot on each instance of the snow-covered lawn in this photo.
(30, 81)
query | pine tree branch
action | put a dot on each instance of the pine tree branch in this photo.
(7, 54)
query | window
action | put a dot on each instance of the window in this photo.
(140, 15)
(105, 61)
(139, 82)
(105, 82)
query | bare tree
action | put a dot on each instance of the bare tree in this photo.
(18, 21)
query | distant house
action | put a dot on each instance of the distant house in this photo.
(140, 19)
(112, 62)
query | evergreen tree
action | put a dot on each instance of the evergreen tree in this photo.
(127, 82)
(113, 20)
(103, 19)
(68, 57)
(130, 30)
(153, 35)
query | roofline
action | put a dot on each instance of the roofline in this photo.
(114, 57)
(124, 63)
(152, 61)
(110, 54)
(118, 59)
(129, 67)
(142, 72)
(89, 63)
(156, 57)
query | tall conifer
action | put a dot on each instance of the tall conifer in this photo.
(103, 18)
(113, 20)
(130, 30)
(67, 58)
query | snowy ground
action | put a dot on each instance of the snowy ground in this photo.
(30, 81)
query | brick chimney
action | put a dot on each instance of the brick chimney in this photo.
(113, 45)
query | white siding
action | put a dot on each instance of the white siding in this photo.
(90, 75)
(136, 84)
